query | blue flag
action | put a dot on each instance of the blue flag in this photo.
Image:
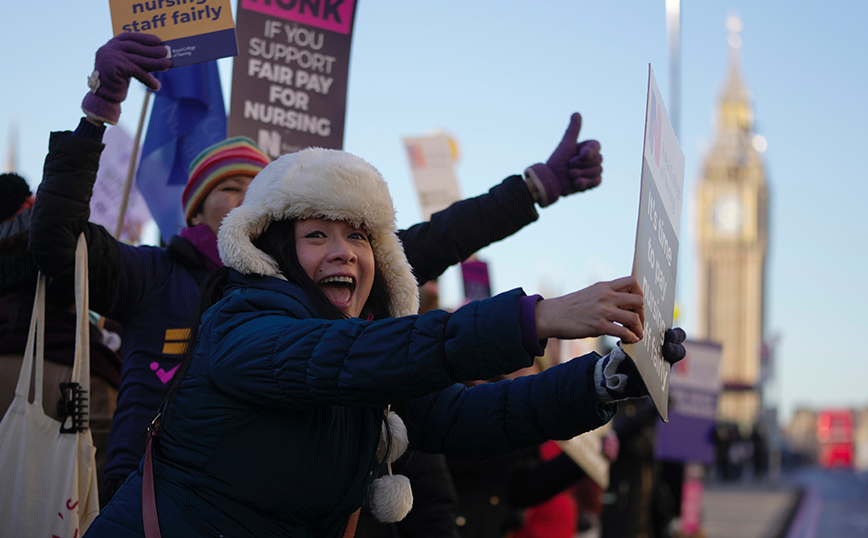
(188, 116)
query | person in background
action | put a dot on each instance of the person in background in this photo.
(529, 493)
(562, 515)
(153, 290)
(150, 291)
(639, 504)
(279, 419)
(18, 276)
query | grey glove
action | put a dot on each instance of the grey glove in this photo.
(616, 377)
(573, 167)
(129, 54)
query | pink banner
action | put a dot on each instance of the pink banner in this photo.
(333, 15)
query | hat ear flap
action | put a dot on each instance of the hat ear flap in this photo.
(235, 242)
(398, 275)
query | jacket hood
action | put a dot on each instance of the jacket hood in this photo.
(328, 184)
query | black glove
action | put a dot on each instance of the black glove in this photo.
(673, 350)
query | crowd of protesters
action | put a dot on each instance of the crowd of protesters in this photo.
(309, 390)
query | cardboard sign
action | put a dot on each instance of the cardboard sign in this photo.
(694, 388)
(655, 257)
(432, 161)
(193, 30)
(587, 451)
(289, 82)
(114, 165)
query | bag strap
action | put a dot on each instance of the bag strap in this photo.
(81, 366)
(149, 499)
(73, 405)
(35, 346)
(353, 522)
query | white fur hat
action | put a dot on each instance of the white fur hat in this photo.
(328, 184)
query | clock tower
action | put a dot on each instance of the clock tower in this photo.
(732, 230)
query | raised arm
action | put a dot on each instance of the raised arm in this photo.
(62, 207)
(60, 215)
(467, 226)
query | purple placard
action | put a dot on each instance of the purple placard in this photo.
(689, 435)
(476, 282)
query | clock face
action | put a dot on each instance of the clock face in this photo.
(727, 215)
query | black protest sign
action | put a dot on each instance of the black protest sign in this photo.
(289, 81)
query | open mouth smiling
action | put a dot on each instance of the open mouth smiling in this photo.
(339, 289)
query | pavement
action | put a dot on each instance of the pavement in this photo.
(748, 509)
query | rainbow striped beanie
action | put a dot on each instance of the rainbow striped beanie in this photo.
(237, 156)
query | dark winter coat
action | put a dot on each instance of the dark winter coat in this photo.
(152, 291)
(494, 493)
(275, 427)
(435, 502)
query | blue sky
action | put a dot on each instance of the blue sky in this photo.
(503, 78)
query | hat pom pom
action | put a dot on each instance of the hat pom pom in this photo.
(391, 498)
(393, 436)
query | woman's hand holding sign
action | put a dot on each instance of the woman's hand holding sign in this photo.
(614, 308)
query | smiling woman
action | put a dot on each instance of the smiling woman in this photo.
(338, 257)
(279, 419)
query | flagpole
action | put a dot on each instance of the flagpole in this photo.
(133, 157)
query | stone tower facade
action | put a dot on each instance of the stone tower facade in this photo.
(732, 230)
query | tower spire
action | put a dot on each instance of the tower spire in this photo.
(735, 109)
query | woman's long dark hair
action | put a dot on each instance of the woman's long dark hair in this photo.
(278, 241)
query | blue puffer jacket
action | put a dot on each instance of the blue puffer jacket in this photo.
(274, 429)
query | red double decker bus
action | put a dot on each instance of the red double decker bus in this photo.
(835, 438)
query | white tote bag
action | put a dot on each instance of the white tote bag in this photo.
(48, 478)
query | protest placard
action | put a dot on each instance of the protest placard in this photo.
(655, 257)
(694, 388)
(587, 451)
(432, 161)
(289, 81)
(194, 30)
(107, 199)
(477, 283)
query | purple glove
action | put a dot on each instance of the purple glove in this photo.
(571, 168)
(673, 350)
(130, 54)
